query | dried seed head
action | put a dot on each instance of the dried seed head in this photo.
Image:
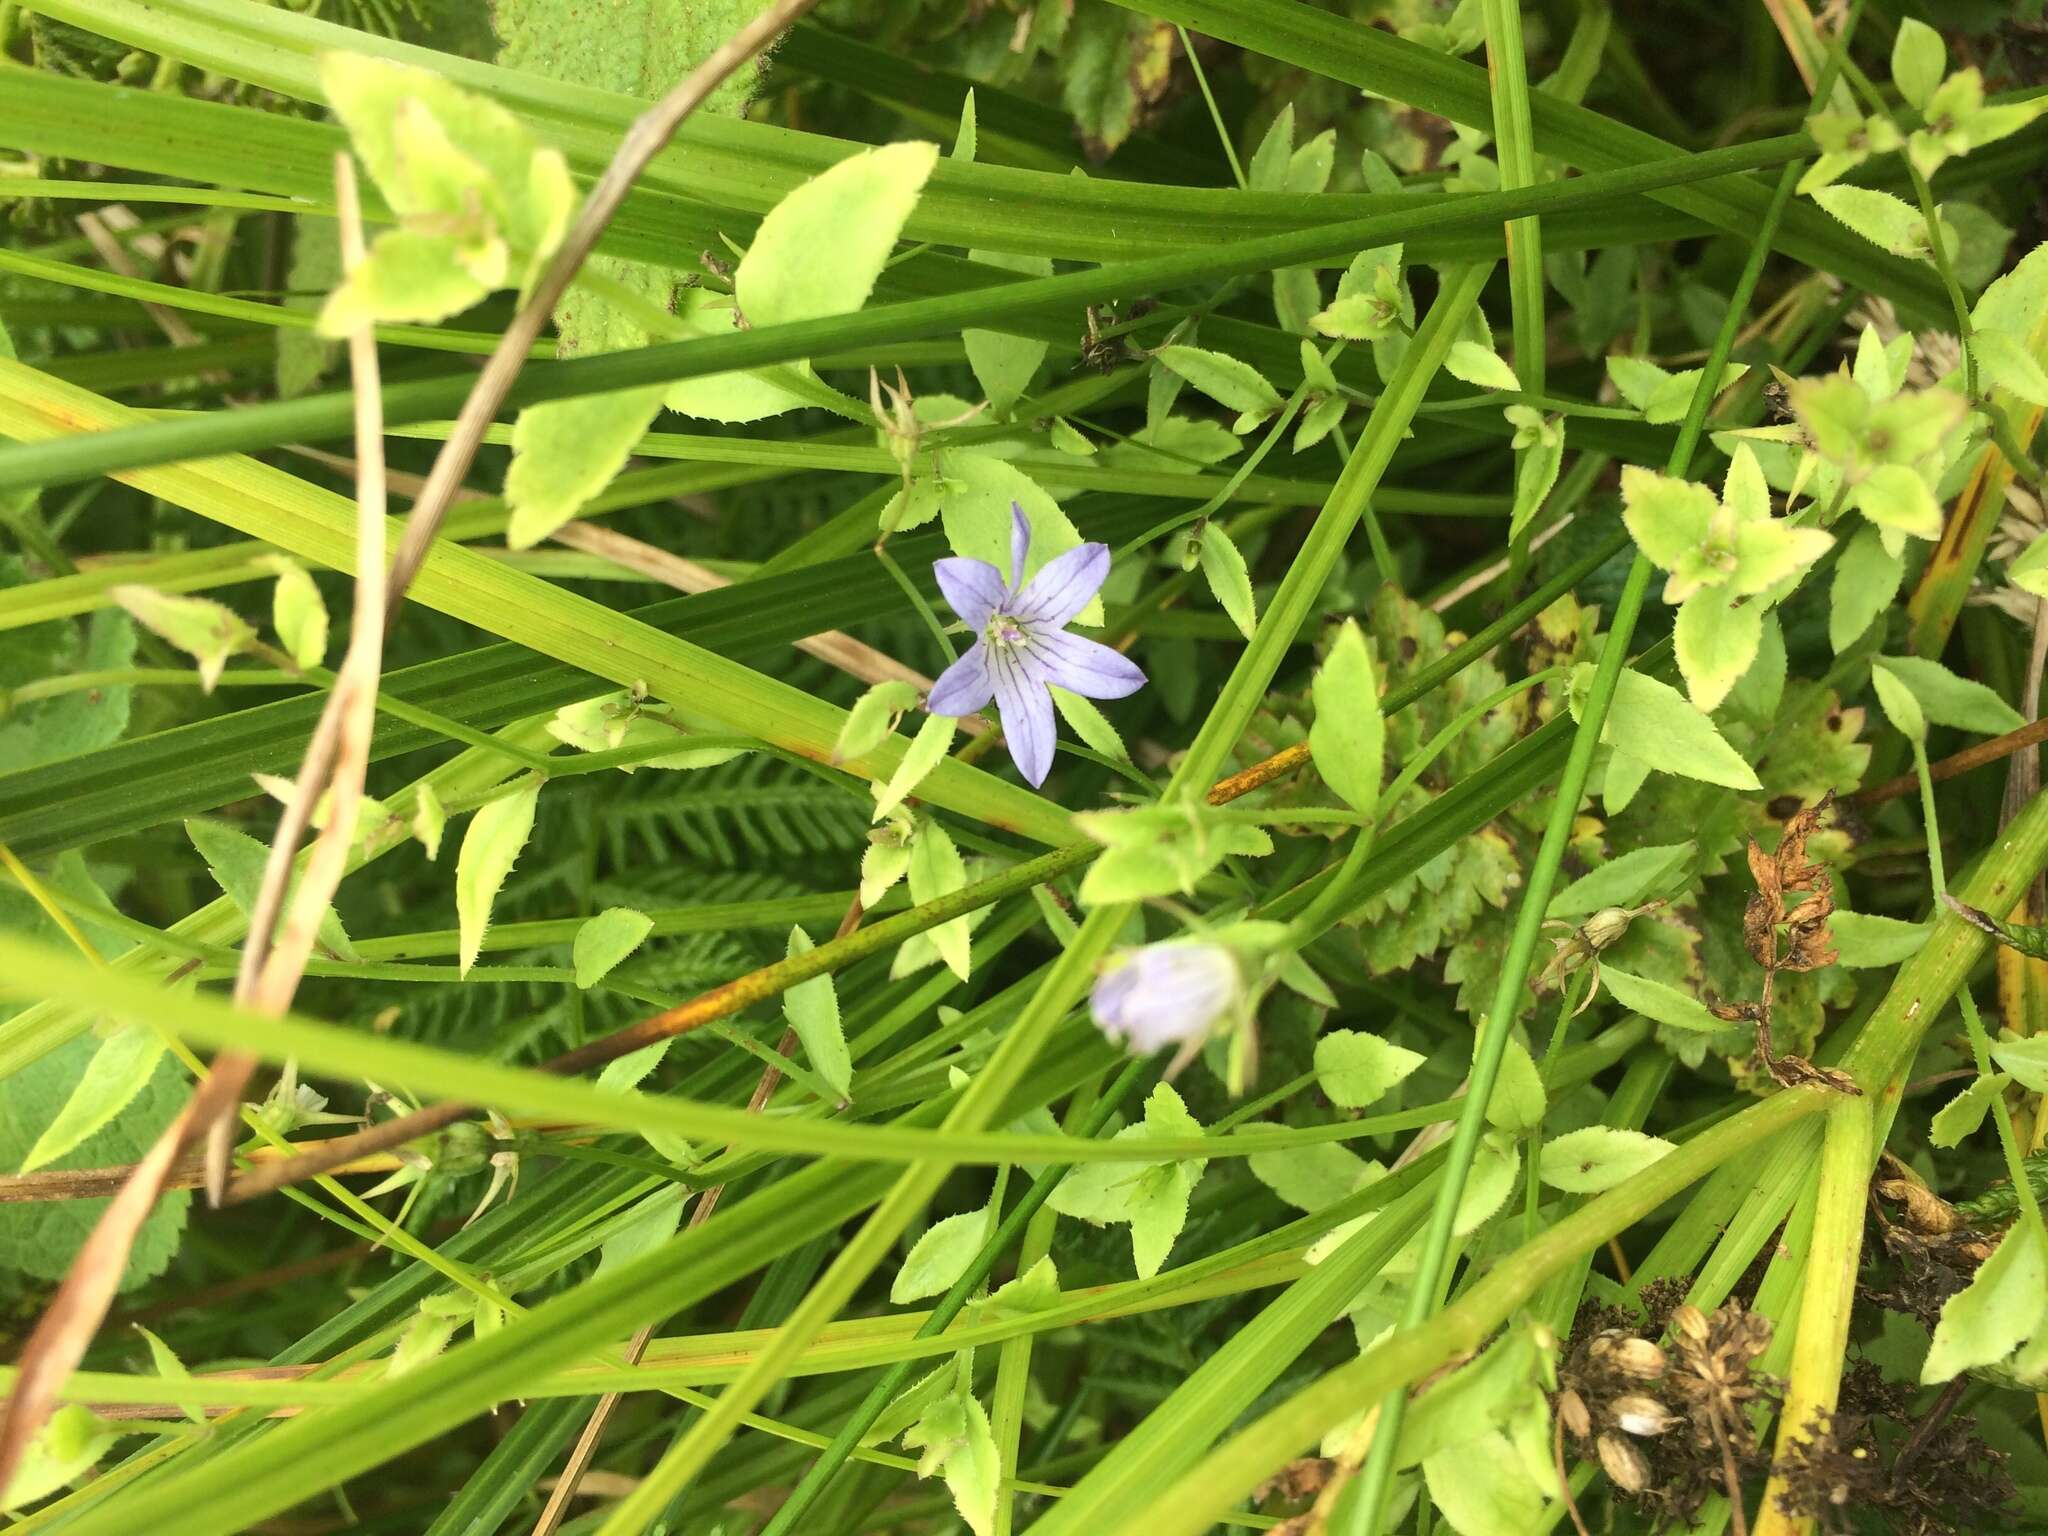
(1571, 1409)
(1623, 1464)
(1637, 1414)
(1607, 926)
(1689, 1323)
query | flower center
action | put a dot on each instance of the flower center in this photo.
(1003, 632)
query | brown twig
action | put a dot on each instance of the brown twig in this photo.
(1957, 763)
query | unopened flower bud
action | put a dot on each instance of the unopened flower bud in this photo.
(1637, 1414)
(1607, 926)
(1623, 1464)
(1166, 994)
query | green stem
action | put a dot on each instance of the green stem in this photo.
(1187, 47)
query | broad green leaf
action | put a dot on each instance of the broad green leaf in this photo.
(1004, 364)
(1312, 1177)
(1960, 1117)
(1919, 59)
(936, 870)
(1518, 1100)
(628, 1070)
(925, 752)
(1229, 579)
(958, 1444)
(1668, 518)
(2026, 1060)
(2014, 304)
(491, 845)
(605, 940)
(205, 630)
(1716, 638)
(1540, 455)
(872, 720)
(1599, 1157)
(1152, 1197)
(298, 614)
(1319, 420)
(1355, 1069)
(2030, 571)
(1159, 1209)
(1866, 581)
(855, 211)
(1068, 438)
(67, 1447)
(120, 1069)
(1997, 1312)
(237, 861)
(652, 1223)
(1624, 881)
(1309, 167)
(1901, 705)
(1267, 171)
(1864, 940)
(1347, 740)
(1656, 1001)
(1946, 699)
(1481, 1489)
(812, 1009)
(2010, 366)
(1480, 365)
(1665, 732)
(1898, 496)
(941, 1255)
(565, 451)
(1227, 380)
(1884, 220)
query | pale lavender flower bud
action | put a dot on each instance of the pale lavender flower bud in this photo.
(1166, 994)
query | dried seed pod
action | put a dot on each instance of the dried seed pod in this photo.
(1689, 1323)
(1571, 1409)
(1623, 1464)
(1606, 927)
(1634, 1413)
(1628, 1355)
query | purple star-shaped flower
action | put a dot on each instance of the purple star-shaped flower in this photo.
(1021, 644)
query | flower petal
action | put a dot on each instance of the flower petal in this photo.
(1026, 709)
(963, 687)
(1063, 588)
(1020, 544)
(1165, 994)
(1080, 666)
(973, 588)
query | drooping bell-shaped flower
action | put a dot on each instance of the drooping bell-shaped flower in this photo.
(1167, 994)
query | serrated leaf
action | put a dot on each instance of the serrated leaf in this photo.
(1312, 1177)
(119, 1070)
(205, 630)
(2026, 1060)
(1598, 1157)
(1480, 365)
(2010, 366)
(941, 1255)
(1347, 740)
(171, 1369)
(1997, 1312)
(872, 719)
(1227, 380)
(1947, 699)
(977, 518)
(1229, 578)
(1716, 638)
(856, 210)
(299, 615)
(1901, 706)
(605, 940)
(68, 1446)
(812, 1009)
(1960, 1117)
(1355, 1069)
(652, 1223)
(1268, 169)
(1518, 1100)
(2030, 571)
(491, 845)
(237, 861)
(1884, 220)
(927, 748)
(1624, 881)
(1658, 1002)
(1088, 722)
(1004, 364)
(566, 451)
